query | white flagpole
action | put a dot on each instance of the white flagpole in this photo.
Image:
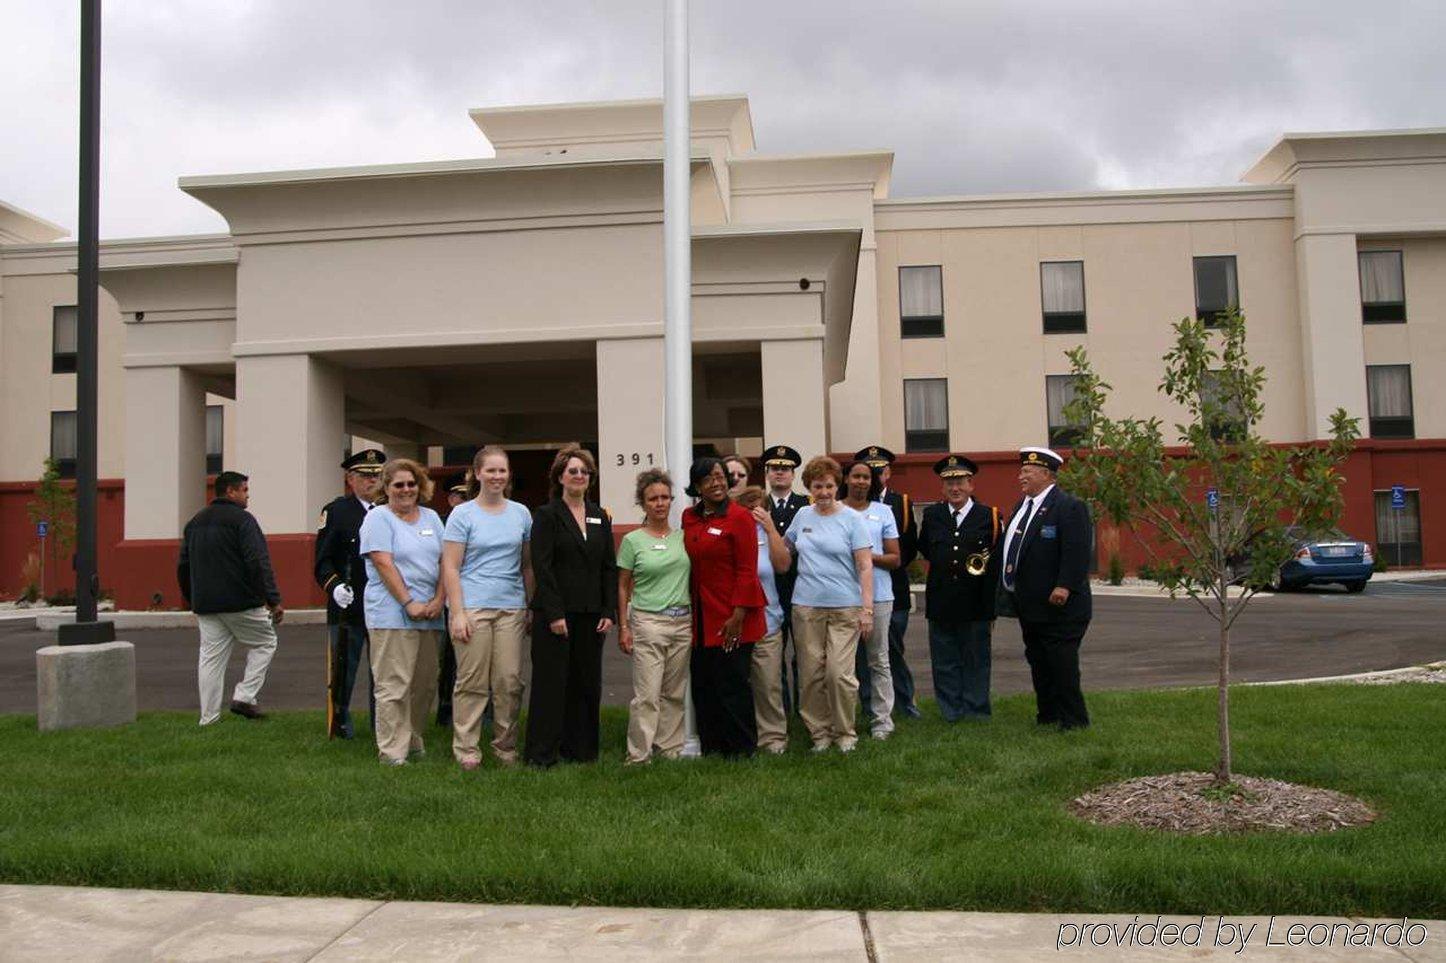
(678, 276)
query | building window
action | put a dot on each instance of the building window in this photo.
(215, 438)
(1061, 288)
(921, 302)
(63, 442)
(1398, 530)
(926, 414)
(1383, 287)
(1216, 290)
(1388, 396)
(63, 339)
(1222, 414)
(458, 454)
(1059, 390)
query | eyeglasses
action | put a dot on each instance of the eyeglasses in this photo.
(737, 475)
(579, 472)
(404, 484)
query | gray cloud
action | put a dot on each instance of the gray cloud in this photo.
(975, 98)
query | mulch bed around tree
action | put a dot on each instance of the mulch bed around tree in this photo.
(1191, 804)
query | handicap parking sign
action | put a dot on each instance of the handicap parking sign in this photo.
(1398, 497)
(1212, 498)
(42, 528)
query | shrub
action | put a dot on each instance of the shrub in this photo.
(1117, 569)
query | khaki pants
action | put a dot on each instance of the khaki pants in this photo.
(766, 675)
(254, 629)
(404, 673)
(827, 641)
(660, 676)
(489, 668)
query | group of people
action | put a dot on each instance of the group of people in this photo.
(765, 599)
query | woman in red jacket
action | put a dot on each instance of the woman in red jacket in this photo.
(728, 613)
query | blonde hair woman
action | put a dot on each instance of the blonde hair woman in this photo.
(402, 542)
(487, 570)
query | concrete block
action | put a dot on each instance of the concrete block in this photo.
(85, 686)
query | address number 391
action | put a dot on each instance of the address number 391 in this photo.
(635, 458)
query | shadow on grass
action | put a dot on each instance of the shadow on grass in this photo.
(939, 817)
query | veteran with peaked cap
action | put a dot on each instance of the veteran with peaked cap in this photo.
(1045, 560)
(877, 456)
(779, 464)
(956, 539)
(341, 572)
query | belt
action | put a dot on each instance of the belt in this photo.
(673, 611)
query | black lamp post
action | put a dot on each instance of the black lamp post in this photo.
(87, 627)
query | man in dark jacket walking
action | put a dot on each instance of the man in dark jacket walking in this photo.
(226, 579)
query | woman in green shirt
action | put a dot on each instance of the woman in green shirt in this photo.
(654, 622)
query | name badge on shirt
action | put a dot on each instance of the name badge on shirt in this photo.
(1048, 531)
(594, 521)
(715, 531)
(807, 530)
(660, 547)
(873, 518)
(425, 533)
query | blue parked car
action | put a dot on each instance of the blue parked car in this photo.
(1323, 557)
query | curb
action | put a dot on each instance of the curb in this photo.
(1353, 677)
(50, 621)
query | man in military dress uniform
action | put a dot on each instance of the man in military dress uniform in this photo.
(779, 464)
(1045, 551)
(877, 456)
(342, 575)
(457, 493)
(957, 538)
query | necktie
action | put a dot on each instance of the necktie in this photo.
(1012, 559)
(956, 513)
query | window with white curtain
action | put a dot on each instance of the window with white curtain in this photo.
(1398, 530)
(1223, 413)
(1061, 288)
(921, 301)
(1216, 287)
(1059, 391)
(1388, 399)
(63, 442)
(926, 414)
(1383, 287)
(63, 339)
(215, 438)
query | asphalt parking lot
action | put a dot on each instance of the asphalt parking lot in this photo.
(1133, 643)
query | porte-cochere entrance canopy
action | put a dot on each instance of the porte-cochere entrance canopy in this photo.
(514, 300)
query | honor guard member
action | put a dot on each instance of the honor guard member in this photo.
(341, 572)
(877, 456)
(956, 538)
(779, 463)
(1045, 552)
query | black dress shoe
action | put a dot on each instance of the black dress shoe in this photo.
(247, 709)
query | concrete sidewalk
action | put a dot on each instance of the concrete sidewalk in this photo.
(66, 923)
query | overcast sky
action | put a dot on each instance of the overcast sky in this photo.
(973, 97)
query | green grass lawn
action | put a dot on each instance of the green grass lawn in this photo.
(964, 817)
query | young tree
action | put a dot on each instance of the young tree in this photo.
(55, 504)
(1214, 511)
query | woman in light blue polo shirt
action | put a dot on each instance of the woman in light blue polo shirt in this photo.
(402, 542)
(487, 568)
(832, 605)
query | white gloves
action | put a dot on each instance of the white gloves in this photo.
(343, 595)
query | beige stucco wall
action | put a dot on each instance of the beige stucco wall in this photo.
(1138, 281)
(1421, 341)
(33, 287)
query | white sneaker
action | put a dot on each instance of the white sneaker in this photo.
(882, 734)
(393, 763)
(820, 747)
(847, 745)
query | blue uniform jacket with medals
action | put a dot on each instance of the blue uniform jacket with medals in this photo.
(336, 558)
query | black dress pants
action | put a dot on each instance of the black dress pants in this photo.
(1052, 650)
(566, 691)
(723, 700)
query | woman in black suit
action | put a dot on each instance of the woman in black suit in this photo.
(574, 606)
